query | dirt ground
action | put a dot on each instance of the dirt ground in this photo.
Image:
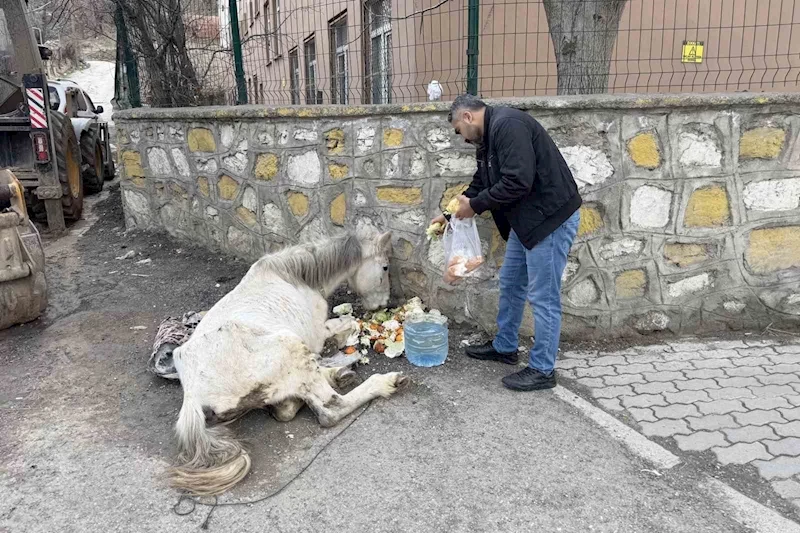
(87, 431)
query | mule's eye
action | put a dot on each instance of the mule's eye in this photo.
(386, 268)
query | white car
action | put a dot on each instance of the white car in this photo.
(97, 164)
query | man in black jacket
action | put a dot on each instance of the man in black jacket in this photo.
(523, 180)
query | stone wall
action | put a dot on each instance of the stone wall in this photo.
(691, 216)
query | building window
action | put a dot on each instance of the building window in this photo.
(255, 88)
(294, 76)
(378, 60)
(267, 28)
(276, 26)
(261, 91)
(243, 26)
(252, 18)
(312, 96)
(339, 66)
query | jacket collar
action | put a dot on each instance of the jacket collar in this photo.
(487, 117)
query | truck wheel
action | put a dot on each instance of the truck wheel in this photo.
(91, 162)
(68, 159)
(111, 169)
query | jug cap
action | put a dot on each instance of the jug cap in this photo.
(434, 317)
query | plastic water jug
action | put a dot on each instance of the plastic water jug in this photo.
(426, 339)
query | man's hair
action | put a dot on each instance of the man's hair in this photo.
(465, 102)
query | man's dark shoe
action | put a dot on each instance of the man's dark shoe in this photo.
(529, 379)
(486, 352)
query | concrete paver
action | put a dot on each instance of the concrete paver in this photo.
(788, 446)
(739, 399)
(741, 453)
(702, 440)
(712, 422)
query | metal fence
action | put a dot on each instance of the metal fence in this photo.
(282, 52)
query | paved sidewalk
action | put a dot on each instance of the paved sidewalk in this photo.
(738, 399)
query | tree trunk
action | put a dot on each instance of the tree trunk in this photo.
(159, 38)
(583, 34)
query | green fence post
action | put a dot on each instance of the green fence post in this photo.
(131, 67)
(236, 41)
(472, 46)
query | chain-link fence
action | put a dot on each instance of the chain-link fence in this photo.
(281, 52)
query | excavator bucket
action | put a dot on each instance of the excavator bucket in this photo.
(23, 286)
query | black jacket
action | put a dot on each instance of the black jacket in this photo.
(522, 177)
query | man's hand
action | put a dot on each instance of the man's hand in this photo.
(439, 220)
(436, 229)
(464, 209)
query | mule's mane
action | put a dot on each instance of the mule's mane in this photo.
(315, 263)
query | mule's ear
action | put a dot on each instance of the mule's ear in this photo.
(385, 242)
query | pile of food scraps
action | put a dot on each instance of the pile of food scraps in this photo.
(380, 331)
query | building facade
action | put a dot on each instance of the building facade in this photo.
(384, 51)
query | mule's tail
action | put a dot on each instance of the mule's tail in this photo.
(210, 460)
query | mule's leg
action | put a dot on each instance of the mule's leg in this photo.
(330, 407)
(286, 410)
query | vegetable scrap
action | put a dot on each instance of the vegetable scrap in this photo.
(436, 229)
(382, 331)
(343, 309)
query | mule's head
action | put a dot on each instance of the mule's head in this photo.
(371, 279)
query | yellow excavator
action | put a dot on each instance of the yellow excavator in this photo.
(23, 287)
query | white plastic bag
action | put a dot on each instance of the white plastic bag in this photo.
(462, 249)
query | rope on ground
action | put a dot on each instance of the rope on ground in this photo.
(195, 502)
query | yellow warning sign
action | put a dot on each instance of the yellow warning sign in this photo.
(692, 52)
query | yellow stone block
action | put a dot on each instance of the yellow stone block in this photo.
(133, 164)
(179, 192)
(338, 171)
(452, 192)
(404, 250)
(644, 151)
(773, 249)
(203, 187)
(497, 247)
(708, 208)
(591, 220)
(245, 215)
(400, 195)
(335, 141)
(392, 137)
(339, 210)
(201, 140)
(139, 181)
(761, 143)
(415, 277)
(228, 187)
(266, 166)
(684, 255)
(298, 203)
(631, 284)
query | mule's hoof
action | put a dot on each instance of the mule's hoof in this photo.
(402, 382)
(346, 378)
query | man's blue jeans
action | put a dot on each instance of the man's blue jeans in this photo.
(534, 275)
